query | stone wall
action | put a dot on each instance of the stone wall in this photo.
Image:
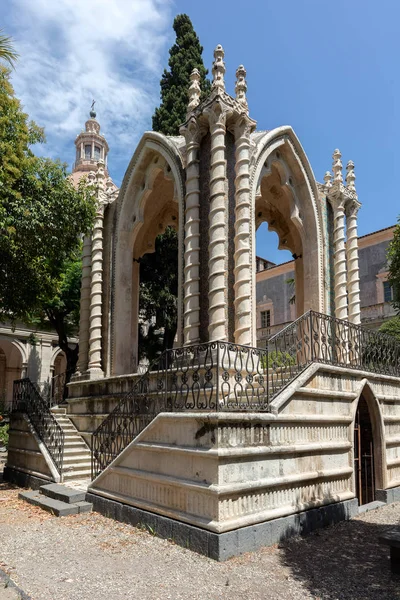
(224, 471)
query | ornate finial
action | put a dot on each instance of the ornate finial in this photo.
(241, 85)
(92, 111)
(218, 69)
(350, 176)
(328, 180)
(194, 90)
(337, 166)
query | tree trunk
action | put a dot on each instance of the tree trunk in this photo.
(71, 354)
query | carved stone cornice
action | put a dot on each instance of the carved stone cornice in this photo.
(339, 195)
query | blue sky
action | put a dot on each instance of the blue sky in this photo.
(330, 70)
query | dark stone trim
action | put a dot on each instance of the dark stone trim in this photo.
(221, 546)
(23, 479)
(388, 496)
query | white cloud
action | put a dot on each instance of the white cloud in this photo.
(72, 51)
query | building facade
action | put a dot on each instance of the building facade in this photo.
(276, 295)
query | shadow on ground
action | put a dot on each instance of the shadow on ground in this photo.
(344, 562)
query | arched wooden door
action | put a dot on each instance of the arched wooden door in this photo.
(364, 467)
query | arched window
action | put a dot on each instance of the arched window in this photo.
(97, 152)
(88, 151)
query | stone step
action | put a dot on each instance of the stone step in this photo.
(74, 441)
(74, 474)
(79, 461)
(68, 451)
(56, 507)
(56, 410)
(62, 493)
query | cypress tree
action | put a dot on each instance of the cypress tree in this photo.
(159, 270)
(184, 56)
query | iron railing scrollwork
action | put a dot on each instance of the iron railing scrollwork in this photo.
(27, 399)
(222, 376)
(205, 377)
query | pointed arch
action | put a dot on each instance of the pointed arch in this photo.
(285, 194)
(378, 432)
(150, 199)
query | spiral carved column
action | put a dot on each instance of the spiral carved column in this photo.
(217, 263)
(243, 233)
(96, 293)
(340, 266)
(85, 306)
(353, 283)
(192, 238)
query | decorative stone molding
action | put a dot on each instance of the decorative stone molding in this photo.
(218, 69)
(194, 91)
(241, 86)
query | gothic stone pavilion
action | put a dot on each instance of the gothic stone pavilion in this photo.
(220, 445)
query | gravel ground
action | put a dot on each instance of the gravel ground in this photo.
(88, 556)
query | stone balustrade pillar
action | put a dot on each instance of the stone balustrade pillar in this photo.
(217, 263)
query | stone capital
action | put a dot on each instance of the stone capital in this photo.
(352, 208)
(192, 131)
(217, 114)
(243, 127)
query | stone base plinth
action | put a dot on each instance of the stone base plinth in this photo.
(221, 546)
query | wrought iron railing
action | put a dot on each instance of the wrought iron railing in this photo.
(316, 337)
(222, 376)
(54, 391)
(205, 377)
(27, 399)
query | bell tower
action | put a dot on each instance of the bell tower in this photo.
(91, 147)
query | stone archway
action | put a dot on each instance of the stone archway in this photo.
(285, 195)
(12, 364)
(151, 199)
(368, 446)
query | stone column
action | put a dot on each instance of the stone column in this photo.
(243, 233)
(340, 266)
(96, 297)
(353, 282)
(84, 315)
(217, 263)
(191, 315)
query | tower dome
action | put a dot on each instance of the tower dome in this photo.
(91, 146)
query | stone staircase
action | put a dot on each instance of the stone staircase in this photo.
(77, 458)
(57, 499)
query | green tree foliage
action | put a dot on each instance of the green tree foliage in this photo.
(184, 56)
(393, 255)
(158, 295)
(159, 271)
(42, 218)
(7, 52)
(391, 327)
